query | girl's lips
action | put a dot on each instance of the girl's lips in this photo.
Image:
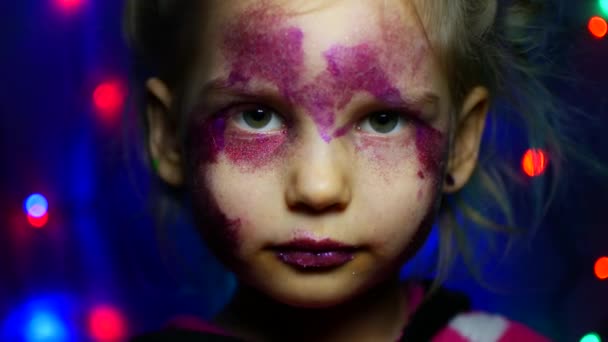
(305, 253)
(315, 260)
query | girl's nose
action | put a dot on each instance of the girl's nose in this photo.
(319, 178)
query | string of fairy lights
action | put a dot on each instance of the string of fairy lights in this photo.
(105, 322)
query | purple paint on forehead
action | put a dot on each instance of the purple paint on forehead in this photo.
(357, 69)
(260, 47)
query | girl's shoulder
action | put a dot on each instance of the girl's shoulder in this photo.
(446, 316)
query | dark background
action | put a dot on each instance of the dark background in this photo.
(94, 271)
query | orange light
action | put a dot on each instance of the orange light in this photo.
(601, 268)
(38, 222)
(598, 27)
(534, 162)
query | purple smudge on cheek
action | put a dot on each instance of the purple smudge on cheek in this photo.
(430, 144)
(221, 234)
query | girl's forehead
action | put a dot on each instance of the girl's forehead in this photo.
(329, 21)
(392, 27)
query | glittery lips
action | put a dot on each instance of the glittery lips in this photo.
(314, 255)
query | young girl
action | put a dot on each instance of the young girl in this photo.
(318, 141)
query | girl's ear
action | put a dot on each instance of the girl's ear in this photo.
(467, 140)
(162, 141)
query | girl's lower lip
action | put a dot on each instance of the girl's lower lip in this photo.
(311, 260)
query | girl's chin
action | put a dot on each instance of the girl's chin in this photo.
(312, 293)
(312, 301)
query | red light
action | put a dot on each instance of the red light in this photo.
(109, 98)
(38, 222)
(598, 27)
(106, 324)
(601, 268)
(535, 162)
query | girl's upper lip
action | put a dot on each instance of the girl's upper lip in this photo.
(307, 244)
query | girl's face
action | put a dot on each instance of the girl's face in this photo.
(318, 140)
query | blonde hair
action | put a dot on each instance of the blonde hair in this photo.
(497, 44)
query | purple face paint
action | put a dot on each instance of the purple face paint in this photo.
(267, 50)
(357, 69)
(221, 233)
(255, 151)
(259, 45)
(247, 150)
(430, 144)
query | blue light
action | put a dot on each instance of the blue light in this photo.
(36, 205)
(45, 326)
(43, 318)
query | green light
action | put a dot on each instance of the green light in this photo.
(591, 337)
(604, 6)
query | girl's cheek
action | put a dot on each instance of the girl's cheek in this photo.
(222, 232)
(423, 146)
(386, 156)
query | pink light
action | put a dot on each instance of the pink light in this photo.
(109, 98)
(68, 5)
(106, 324)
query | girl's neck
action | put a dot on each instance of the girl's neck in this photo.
(378, 315)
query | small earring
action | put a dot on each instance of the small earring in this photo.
(449, 180)
(155, 164)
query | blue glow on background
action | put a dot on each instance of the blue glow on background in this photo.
(36, 205)
(45, 326)
(40, 319)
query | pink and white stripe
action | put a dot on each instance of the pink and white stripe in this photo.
(484, 327)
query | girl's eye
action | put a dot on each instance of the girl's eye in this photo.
(382, 122)
(259, 120)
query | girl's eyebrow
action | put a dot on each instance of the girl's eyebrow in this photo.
(426, 101)
(221, 86)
